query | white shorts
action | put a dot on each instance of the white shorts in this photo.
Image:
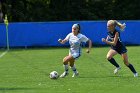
(75, 55)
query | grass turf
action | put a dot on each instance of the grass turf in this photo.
(27, 71)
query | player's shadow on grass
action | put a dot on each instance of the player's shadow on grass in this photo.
(10, 89)
(115, 76)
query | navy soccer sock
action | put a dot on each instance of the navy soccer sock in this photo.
(112, 61)
(132, 68)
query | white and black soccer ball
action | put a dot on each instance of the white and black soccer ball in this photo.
(54, 75)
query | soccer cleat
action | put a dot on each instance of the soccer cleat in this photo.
(75, 74)
(64, 74)
(116, 70)
(135, 74)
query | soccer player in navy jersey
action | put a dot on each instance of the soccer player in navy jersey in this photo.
(117, 46)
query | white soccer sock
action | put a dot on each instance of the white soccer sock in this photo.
(66, 68)
(74, 69)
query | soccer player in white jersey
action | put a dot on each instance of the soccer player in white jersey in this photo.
(75, 39)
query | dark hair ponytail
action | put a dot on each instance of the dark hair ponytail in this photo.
(79, 27)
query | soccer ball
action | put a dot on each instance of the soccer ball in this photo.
(54, 75)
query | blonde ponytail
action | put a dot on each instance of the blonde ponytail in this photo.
(121, 26)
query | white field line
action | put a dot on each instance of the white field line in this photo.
(2, 54)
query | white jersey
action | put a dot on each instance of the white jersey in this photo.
(75, 42)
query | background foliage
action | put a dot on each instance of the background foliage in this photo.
(70, 10)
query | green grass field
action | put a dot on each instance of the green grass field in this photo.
(27, 71)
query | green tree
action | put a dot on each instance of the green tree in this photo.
(70, 10)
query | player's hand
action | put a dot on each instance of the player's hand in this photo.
(59, 40)
(87, 51)
(103, 40)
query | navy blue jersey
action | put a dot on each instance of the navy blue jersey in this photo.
(120, 47)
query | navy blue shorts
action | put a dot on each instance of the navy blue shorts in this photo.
(120, 50)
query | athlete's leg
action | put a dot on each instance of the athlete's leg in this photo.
(73, 67)
(65, 64)
(110, 58)
(125, 59)
(130, 66)
(71, 62)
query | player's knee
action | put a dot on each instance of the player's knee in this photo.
(71, 64)
(126, 63)
(65, 61)
(108, 57)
